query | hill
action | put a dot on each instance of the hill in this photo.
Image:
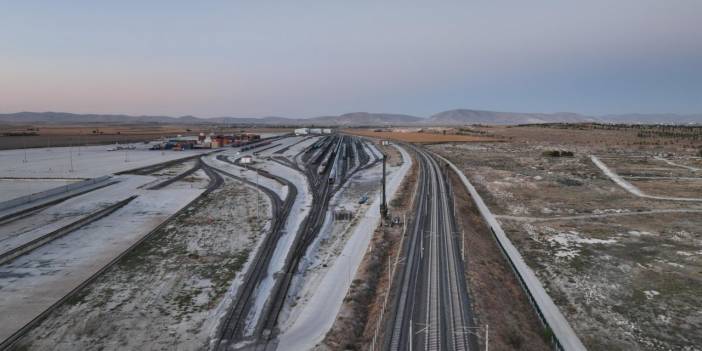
(463, 116)
(356, 119)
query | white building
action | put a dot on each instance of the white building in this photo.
(302, 131)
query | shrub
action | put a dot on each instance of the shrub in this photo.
(557, 153)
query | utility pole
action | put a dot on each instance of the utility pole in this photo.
(70, 153)
(348, 270)
(389, 273)
(410, 336)
(463, 245)
(486, 336)
(384, 204)
(24, 146)
(258, 197)
(404, 224)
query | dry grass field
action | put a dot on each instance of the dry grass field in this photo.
(86, 134)
(625, 270)
(420, 137)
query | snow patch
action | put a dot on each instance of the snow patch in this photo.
(568, 244)
(651, 294)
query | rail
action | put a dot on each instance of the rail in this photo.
(215, 182)
(49, 237)
(23, 200)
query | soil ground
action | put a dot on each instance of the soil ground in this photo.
(417, 137)
(499, 302)
(167, 293)
(626, 271)
(82, 134)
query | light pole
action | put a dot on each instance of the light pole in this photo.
(463, 245)
(487, 336)
(24, 146)
(258, 198)
(70, 155)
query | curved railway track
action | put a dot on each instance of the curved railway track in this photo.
(197, 166)
(322, 155)
(232, 328)
(215, 182)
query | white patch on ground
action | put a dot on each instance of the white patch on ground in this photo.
(694, 169)
(93, 161)
(610, 211)
(630, 187)
(14, 188)
(54, 217)
(567, 245)
(298, 212)
(665, 319)
(651, 294)
(31, 283)
(172, 300)
(638, 233)
(252, 176)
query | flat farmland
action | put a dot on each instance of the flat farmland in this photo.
(420, 137)
(87, 134)
(625, 270)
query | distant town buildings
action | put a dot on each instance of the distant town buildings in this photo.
(306, 131)
(203, 141)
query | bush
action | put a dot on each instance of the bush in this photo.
(557, 153)
(514, 339)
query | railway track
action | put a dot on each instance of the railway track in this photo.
(431, 309)
(283, 150)
(22, 213)
(215, 182)
(169, 181)
(232, 328)
(322, 191)
(322, 155)
(58, 233)
(318, 162)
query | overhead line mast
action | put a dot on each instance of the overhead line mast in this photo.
(384, 204)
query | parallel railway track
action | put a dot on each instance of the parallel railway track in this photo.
(431, 310)
(322, 155)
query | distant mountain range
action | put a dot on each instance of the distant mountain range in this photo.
(446, 118)
(453, 117)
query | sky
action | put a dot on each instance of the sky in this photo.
(315, 58)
